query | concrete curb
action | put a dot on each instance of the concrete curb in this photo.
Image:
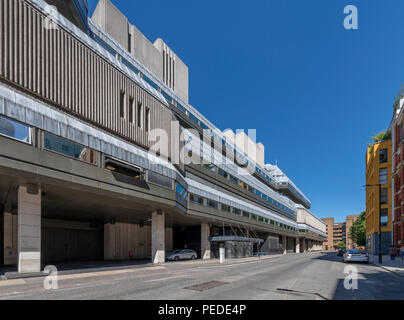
(16, 275)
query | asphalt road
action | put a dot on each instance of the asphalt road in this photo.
(311, 276)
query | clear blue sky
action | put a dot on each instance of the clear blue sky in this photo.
(314, 91)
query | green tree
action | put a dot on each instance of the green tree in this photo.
(382, 136)
(358, 230)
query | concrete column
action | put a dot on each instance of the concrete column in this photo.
(284, 244)
(304, 249)
(29, 228)
(205, 243)
(10, 239)
(297, 245)
(158, 237)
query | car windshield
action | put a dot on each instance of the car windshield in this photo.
(353, 251)
(175, 251)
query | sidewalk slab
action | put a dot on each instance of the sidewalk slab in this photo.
(396, 266)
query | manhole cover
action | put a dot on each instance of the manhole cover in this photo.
(206, 286)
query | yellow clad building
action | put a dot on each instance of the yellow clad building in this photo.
(379, 171)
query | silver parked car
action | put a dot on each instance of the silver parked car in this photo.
(356, 256)
(185, 254)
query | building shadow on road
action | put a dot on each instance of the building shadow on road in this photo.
(373, 283)
(84, 267)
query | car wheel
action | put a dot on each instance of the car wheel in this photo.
(176, 258)
(193, 258)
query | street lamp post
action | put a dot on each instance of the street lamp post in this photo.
(380, 219)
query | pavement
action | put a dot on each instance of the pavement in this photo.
(396, 266)
(306, 276)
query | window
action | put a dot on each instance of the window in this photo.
(196, 199)
(147, 119)
(181, 191)
(226, 208)
(70, 149)
(233, 179)
(123, 171)
(384, 195)
(150, 82)
(223, 173)
(131, 110)
(193, 118)
(246, 214)
(211, 203)
(15, 130)
(139, 115)
(122, 104)
(210, 167)
(384, 217)
(383, 176)
(237, 211)
(383, 156)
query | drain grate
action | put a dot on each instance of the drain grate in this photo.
(206, 286)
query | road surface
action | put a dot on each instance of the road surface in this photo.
(312, 276)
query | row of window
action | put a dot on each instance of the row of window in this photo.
(288, 212)
(141, 122)
(226, 208)
(172, 101)
(15, 130)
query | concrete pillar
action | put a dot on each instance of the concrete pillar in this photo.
(285, 244)
(10, 239)
(205, 243)
(304, 248)
(158, 237)
(29, 228)
(297, 245)
(222, 253)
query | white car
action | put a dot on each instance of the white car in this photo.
(356, 256)
(185, 254)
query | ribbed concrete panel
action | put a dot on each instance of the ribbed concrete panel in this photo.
(55, 65)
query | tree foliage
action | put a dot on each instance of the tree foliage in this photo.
(382, 136)
(358, 230)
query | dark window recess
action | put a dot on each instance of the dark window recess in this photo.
(122, 105)
(125, 173)
(196, 199)
(384, 156)
(211, 203)
(131, 110)
(384, 195)
(139, 115)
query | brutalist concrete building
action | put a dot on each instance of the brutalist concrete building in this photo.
(102, 157)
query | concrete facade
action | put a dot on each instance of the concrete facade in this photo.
(157, 56)
(81, 181)
(158, 237)
(29, 228)
(205, 242)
